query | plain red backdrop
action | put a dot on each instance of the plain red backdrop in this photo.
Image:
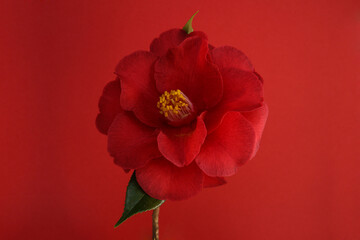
(57, 180)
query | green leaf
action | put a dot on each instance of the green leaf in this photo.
(137, 201)
(188, 26)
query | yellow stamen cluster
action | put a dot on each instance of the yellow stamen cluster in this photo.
(174, 105)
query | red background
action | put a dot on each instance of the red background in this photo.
(57, 180)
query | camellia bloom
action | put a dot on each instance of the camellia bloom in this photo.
(184, 115)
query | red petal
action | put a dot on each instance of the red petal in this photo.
(109, 106)
(171, 39)
(198, 34)
(187, 68)
(242, 92)
(211, 47)
(181, 145)
(163, 180)
(258, 118)
(228, 147)
(259, 77)
(131, 143)
(213, 181)
(230, 57)
(138, 93)
(167, 40)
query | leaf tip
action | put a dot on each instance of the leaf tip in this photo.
(188, 26)
(121, 220)
(137, 201)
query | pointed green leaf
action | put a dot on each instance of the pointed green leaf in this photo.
(137, 201)
(188, 26)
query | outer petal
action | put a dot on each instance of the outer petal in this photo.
(211, 47)
(213, 181)
(242, 92)
(163, 180)
(181, 145)
(187, 68)
(171, 39)
(228, 147)
(230, 57)
(138, 93)
(109, 106)
(259, 77)
(167, 40)
(131, 143)
(258, 118)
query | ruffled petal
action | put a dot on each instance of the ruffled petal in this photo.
(163, 180)
(213, 181)
(242, 92)
(109, 106)
(131, 143)
(230, 57)
(228, 147)
(181, 145)
(138, 91)
(188, 68)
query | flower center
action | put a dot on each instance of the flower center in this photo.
(176, 107)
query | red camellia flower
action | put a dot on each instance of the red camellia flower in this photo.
(184, 115)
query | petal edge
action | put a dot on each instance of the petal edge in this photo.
(163, 180)
(131, 143)
(228, 147)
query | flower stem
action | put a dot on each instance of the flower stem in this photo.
(155, 223)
